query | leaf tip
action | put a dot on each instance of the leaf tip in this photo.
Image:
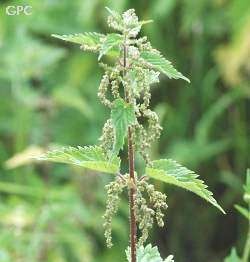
(223, 211)
(186, 79)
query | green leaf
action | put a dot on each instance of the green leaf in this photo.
(169, 171)
(159, 63)
(148, 254)
(243, 211)
(109, 42)
(233, 257)
(91, 40)
(122, 115)
(91, 157)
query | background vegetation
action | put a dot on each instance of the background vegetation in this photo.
(48, 96)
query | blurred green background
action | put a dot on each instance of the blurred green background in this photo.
(48, 96)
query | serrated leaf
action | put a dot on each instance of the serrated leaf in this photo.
(148, 254)
(233, 257)
(89, 39)
(122, 115)
(243, 211)
(91, 157)
(169, 171)
(159, 63)
(109, 42)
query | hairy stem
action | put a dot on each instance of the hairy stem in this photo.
(246, 252)
(132, 190)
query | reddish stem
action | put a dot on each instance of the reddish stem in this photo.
(132, 190)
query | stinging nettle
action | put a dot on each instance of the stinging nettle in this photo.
(125, 88)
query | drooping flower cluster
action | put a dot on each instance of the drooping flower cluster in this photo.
(147, 210)
(114, 189)
(149, 205)
(107, 138)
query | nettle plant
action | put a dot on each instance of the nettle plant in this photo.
(125, 89)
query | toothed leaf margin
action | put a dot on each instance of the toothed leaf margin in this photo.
(171, 172)
(91, 157)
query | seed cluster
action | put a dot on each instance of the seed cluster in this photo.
(107, 138)
(149, 205)
(146, 135)
(127, 23)
(114, 189)
(145, 213)
(103, 88)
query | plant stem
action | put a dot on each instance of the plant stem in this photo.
(132, 189)
(132, 194)
(246, 252)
